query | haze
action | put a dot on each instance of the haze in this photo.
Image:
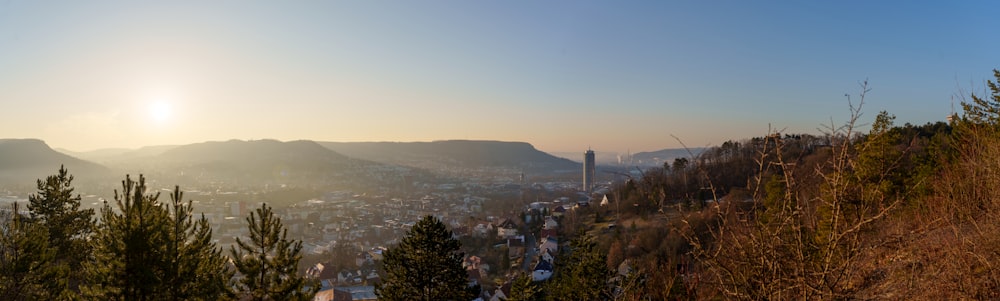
(562, 75)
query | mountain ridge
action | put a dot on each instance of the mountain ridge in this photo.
(29, 159)
(455, 154)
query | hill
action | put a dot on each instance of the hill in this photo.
(118, 155)
(257, 161)
(456, 154)
(25, 160)
(657, 158)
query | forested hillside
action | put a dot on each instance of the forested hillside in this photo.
(886, 214)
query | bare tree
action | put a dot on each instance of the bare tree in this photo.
(791, 242)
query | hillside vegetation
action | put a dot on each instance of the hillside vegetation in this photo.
(887, 214)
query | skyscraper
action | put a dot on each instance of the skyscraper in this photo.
(588, 171)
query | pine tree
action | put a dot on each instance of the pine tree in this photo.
(985, 110)
(426, 265)
(151, 251)
(583, 274)
(195, 267)
(25, 259)
(58, 210)
(524, 289)
(127, 257)
(268, 262)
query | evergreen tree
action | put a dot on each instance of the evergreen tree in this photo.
(58, 210)
(524, 289)
(146, 251)
(984, 110)
(25, 259)
(426, 265)
(127, 245)
(268, 262)
(583, 274)
(196, 268)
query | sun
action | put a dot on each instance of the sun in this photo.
(160, 111)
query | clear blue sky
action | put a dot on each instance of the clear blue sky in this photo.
(562, 75)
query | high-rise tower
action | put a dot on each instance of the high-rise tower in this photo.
(589, 171)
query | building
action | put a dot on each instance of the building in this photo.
(507, 229)
(589, 170)
(542, 271)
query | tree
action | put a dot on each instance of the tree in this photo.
(814, 233)
(25, 258)
(524, 289)
(195, 268)
(876, 170)
(426, 265)
(125, 264)
(985, 111)
(268, 262)
(616, 254)
(146, 251)
(58, 210)
(582, 274)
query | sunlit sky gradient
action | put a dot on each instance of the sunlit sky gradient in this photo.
(562, 75)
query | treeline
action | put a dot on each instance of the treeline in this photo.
(913, 153)
(142, 248)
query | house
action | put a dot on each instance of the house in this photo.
(507, 228)
(559, 211)
(372, 278)
(364, 258)
(482, 228)
(547, 233)
(515, 247)
(542, 271)
(315, 270)
(551, 244)
(475, 277)
(472, 262)
(502, 292)
(332, 294)
(360, 293)
(345, 276)
(327, 283)
(376, 254)
(604, 201)
(321, 271)
(550, 223)
(547, 255)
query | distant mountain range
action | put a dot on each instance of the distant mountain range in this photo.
(456, 154)
(257, 156)
(246, 163)
(641, 159)
(113, 155)
(270, 158)
(234, 161)
(275, 171)
(24, 160)
(271, 161)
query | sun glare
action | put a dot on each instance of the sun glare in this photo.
(160, 111)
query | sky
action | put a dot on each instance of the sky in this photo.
(561, 75)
